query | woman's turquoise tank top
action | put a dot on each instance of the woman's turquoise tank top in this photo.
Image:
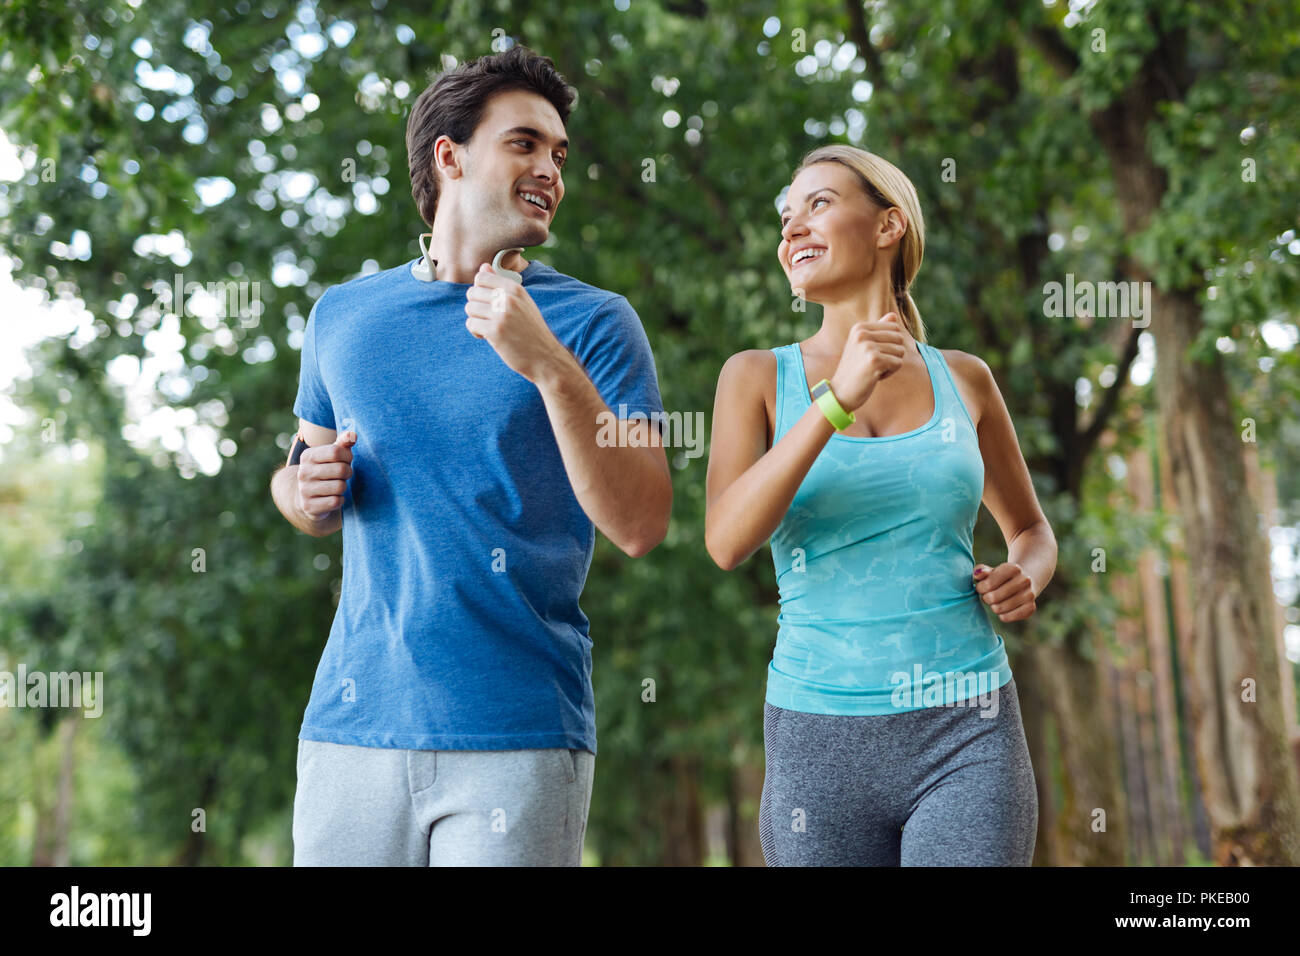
(879, 612)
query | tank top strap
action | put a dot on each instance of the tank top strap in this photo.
(951, 405)
(790, 389)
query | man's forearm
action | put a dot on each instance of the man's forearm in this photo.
(623, 489)
(284, 484)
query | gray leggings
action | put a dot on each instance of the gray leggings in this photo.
(939, 786)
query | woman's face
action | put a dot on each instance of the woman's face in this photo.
(830, 232)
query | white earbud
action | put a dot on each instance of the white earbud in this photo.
(502, 271)
(423, 270)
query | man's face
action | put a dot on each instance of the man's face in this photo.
(519, 147)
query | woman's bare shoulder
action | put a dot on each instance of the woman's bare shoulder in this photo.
(751, 374)
(755, 368)
(753, 359)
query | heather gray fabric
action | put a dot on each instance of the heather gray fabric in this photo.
(381, 806)
(939, 786)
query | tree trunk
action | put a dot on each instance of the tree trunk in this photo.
(63, 808)
(1074, 688)
(1263, 488)
(44, 791)
(1124, 676)
(192, 852)
(1037, 715)
(681, 817)
(1181, 607)
(1248, 774)
(746, 790)
(1167, 796)
(42, 853)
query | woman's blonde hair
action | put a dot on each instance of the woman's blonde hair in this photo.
(886, 186)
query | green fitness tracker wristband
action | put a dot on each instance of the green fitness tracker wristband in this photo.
(830, 407)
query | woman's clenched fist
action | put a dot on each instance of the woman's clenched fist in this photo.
(873, 351)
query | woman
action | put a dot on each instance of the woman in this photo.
(891, 723)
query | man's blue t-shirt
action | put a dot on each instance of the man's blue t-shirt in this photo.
(464, 547)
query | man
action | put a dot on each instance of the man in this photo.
(452, 719)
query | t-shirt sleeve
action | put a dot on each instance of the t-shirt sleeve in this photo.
(616, 355)
(313, 401)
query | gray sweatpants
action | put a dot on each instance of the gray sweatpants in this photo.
(377, 806)
(939, 786)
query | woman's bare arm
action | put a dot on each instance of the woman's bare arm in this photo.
(749, 487)
(1009, 491)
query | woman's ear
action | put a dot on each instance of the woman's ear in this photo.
(893, 225)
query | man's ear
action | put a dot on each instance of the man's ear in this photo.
(447, 158)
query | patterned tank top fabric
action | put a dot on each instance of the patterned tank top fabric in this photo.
(879, 612)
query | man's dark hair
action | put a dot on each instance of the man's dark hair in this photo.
(455, 102)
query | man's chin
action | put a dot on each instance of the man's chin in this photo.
(534, 234)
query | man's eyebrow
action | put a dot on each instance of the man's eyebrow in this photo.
(823, 189)
(535, 134)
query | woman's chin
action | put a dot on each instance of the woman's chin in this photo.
(805, 293)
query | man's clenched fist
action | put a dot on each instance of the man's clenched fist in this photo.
(502, 312)
(323, 471)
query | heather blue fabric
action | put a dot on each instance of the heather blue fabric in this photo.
(464, 548)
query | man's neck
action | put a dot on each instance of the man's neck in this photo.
(457, 257)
